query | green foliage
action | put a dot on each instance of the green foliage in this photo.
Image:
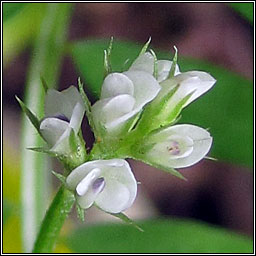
(160, 236)
(11, 9)
(7, 210)
(244, 9)
(227, 109)
(21, 21)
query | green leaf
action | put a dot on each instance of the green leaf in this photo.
(227, 108)
(8, 208)
(32, 117)
(160, 236)
(21, 20)
(44, 84)
(127, 220)
(80, 212)
(11, 9)
(244, 9)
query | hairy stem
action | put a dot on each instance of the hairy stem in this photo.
(54, 220)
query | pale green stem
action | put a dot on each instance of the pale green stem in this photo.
(35, 169)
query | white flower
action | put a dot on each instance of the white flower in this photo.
(123, 95)
(110, 184)
(145, 62)
(176, 92)
(195, 83)
(64, 111)
(192, 81)
(179, 146)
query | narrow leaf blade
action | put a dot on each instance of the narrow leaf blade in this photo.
(32, 117)
(127, 220)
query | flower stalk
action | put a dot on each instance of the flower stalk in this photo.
(54, 220)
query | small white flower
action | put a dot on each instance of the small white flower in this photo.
(145, 62)
(192, 81)
(123, 95)
(64, 111)
(179, 146)
(110, 184)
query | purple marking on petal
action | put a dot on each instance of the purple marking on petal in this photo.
(174, 148)
(98, 185)
(62, 117)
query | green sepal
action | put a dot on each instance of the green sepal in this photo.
(73, 141)
(145, 47)
(60, 177)
(32, 117)
(80, 212)
(87, 105)
(46, 151)
(159, 166)
(127, 220)
(155, 72)
(135, 121)
(107, 61)
(174, 63)
(159, 113)
(211, 158)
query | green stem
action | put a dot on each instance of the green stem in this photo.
(45, 62)
(54, 220)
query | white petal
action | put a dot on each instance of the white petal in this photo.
(120, 190)
(113, 112)
(195, 82)
(87, 181)
(62, 144)
(163, 68)
(116, 84)
(120, 187)
(81, 171)
(201, 145)
(114, 197)
(145, 85)
(77, 117)
(144, 62)
(174, 147)
(62, 102)
(52, 129)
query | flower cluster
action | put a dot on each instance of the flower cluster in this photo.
(135, 117)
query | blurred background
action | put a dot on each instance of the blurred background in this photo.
(219, 193)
